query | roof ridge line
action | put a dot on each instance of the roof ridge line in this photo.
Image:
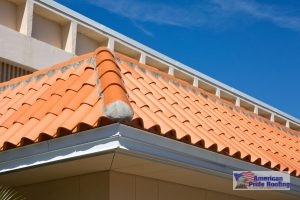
(116, 105)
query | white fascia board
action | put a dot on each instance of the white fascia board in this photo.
(123, 139)
(89, 143)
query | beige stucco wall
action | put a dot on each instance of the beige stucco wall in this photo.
(130, 187)
(85, 187)
(85, 44)
(8, 14)
(28, 51)
(116, 186)
(46, 30)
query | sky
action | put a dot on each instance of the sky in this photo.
(250, 45)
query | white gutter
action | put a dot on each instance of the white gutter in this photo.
(126, 140)
(75, 146)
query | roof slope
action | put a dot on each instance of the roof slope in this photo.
(101, 88)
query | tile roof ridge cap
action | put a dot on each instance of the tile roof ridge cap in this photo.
(116, 105)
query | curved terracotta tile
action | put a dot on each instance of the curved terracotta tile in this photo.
(87, 77)
(92, 97)
(53, 76)
(49, 104)
(116, 105)
(76, 117)
(5, 92)
(84, 66)
(33, 98)
(5, 116)
(17, 105)
(28, 126)
(15, 90)
(16, 115)
(79, 97)
(52, 127)
(3, 102)
(9, 135)
(62, 87)
(34, 108)
(149, 122)
(76, 95)
(53, 89)
(94, 114)
(7, 106)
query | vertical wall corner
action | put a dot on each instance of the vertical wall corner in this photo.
(25, 17)
(69, 37)
(111, 44)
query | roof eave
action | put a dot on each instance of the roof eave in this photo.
(185, 155)
(128, 141)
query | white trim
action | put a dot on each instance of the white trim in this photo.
(127, 140)
(75, 146)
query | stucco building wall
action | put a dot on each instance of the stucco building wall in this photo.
(8, 14)
(115, 186)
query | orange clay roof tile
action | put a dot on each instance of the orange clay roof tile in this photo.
(97, 89)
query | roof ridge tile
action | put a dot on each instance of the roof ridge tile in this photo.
(116, 105)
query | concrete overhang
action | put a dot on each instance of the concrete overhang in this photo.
(24, 50)
(125, 149)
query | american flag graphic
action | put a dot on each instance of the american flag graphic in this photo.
(250, 177)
